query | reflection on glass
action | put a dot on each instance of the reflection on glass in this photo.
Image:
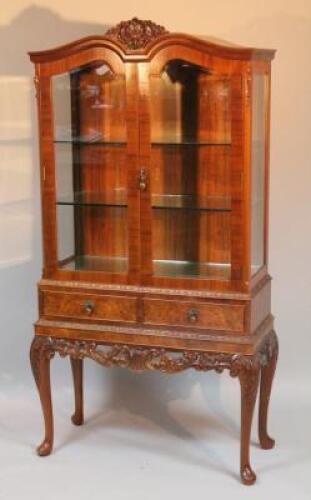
(258, 171)
(89, 106)
(190, 172)
(114, 198)
(103, 248)
(191, 202)
(90, 158)
(191, 243)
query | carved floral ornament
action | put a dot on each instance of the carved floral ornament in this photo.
(135, 34)
(150, 358)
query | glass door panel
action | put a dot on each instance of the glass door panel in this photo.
(259, 110)
(190, 172)
(90, 154)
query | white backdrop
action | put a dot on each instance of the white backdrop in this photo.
(180, 417)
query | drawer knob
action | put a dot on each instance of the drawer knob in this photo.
(88, 306)
(192, 315)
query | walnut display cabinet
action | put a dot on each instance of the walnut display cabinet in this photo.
(154, 153)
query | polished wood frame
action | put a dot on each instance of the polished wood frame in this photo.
(150, 330)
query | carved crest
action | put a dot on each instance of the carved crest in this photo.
(136, 34)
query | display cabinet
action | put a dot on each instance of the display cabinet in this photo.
(154, 154)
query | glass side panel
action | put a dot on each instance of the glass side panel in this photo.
(90, 156)
(259, 93)
(190, 172)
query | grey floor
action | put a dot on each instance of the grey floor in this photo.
(151, 436)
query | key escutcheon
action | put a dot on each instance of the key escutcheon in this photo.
(192, 315)
(88, 306)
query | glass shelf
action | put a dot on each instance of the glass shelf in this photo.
(161, 267)
(189, 143)
(188, 269)
(191, 202)
(116, 198)
(83, 142)
(96, 263)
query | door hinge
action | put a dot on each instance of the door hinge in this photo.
(36, 81)
(248, 84)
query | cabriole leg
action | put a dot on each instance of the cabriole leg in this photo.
(267, 375)
(77, 373)
(40, 356)
(249, 380)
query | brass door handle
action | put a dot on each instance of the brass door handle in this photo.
(192, 315)
(88, 306)
(142, 179)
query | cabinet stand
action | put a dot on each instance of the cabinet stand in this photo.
(248, 368)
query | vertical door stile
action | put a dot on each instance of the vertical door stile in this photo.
(144, 174)
(48, 175)
(247, 171)
(237, 180)
(76, 157)
(132, 119)
(267, 105)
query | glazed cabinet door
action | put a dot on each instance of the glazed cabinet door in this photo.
(192, 143)
(90, 154)
(260, 118)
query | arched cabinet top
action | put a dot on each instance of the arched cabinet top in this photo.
(137, 40)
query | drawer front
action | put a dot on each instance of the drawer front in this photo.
(194, 314)
(92, 307)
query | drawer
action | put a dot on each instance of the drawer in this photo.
(93, 307)
(194, 314)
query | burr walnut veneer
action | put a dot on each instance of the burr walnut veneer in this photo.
(154, 154)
